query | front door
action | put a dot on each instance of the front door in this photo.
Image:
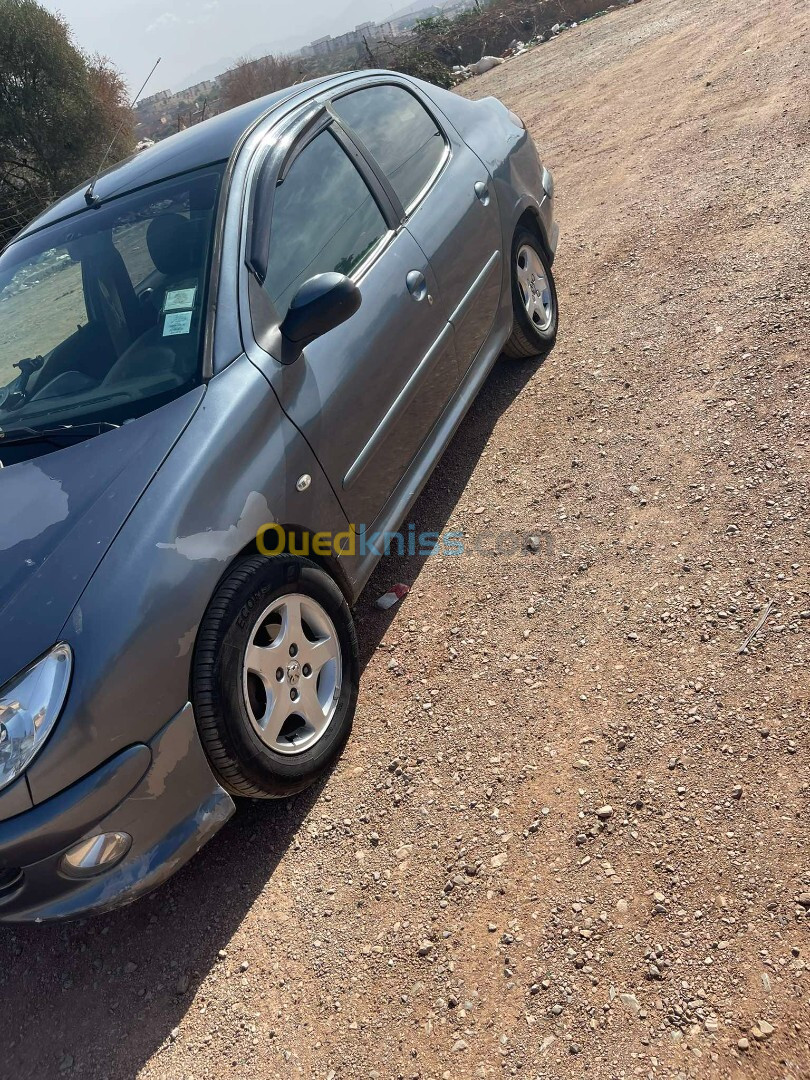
(366, 395)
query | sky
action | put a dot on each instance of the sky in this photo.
(198, 39)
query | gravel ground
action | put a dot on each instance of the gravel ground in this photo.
(570, 834)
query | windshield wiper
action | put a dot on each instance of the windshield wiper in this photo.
(18, 435)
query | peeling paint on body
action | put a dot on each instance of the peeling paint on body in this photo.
(222, 545)
(186, 642)
(39, 502)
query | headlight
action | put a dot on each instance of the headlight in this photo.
(29, 707)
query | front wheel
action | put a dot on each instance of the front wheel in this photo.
(275, 677)
(534, 299)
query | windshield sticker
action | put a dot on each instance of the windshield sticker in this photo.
(179, 323)
(180, 299)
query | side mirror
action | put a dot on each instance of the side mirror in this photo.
(321, 304)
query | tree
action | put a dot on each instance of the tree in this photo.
(59, 111)
(250, 79)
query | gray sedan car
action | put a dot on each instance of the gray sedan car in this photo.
(227, 368)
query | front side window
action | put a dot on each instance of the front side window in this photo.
(399, 132)
(324, 219)
(102, 316)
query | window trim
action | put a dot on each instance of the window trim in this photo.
(270, 168)
(409, 210)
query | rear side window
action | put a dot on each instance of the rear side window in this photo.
(324, 219)
(400, 133)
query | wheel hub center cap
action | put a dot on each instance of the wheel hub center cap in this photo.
(294, 673)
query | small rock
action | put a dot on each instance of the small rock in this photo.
(743, 1044)
(534, 543)
(604, 813)
(498, 860)
(174, 1033)
(762, 1030)
(622, 907)
(425, 948)
(803, 899)
(631, 1003)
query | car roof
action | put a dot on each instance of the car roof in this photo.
(211, 141)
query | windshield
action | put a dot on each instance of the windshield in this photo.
(102, 316)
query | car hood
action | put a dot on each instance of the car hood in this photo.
(58, 516)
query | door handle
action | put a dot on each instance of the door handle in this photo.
(417, 286)
(482, 191)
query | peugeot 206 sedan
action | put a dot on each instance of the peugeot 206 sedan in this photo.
(220, 365)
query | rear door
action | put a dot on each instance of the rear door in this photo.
(367, 394)
(447, 199)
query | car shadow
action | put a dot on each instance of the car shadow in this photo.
(434, 507)
(101, 996)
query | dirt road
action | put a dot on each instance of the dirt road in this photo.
(569, 833)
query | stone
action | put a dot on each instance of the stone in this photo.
(425, 948)
(762, 1030)
(631, 1003)
(604, 813)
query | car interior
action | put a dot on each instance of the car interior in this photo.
(141, 339)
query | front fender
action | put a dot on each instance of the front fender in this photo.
(134, 629)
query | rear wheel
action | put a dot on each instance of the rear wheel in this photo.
(275, 676)
(534, 299)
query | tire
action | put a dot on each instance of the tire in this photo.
(532, 287)
(244, 676)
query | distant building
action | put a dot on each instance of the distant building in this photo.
(155, 99)
(352, 39)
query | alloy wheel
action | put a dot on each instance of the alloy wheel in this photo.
(292, 674)
(535, 290)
